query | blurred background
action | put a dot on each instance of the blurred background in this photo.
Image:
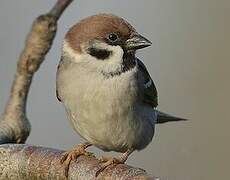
(189, 61)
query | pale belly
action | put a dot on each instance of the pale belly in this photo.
(112, 118)
(109, 113)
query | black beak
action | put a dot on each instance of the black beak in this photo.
(137, 42)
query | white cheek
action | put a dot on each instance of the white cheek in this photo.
(70, 54)
(112, 64)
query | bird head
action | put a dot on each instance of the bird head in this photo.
(104, 43)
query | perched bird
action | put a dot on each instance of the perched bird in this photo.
(107, 92)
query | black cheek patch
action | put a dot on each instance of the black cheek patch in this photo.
(100, 54)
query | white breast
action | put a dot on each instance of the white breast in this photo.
(107, 112)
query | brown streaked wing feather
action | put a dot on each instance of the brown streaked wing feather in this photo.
(150, 91)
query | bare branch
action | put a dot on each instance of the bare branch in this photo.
(29, 162)
(59, 7)
(14, 125)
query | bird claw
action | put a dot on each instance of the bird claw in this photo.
(109, 161)
(89, 154)
(78, 151)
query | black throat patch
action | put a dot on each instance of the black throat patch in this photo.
(100, 54)
(129, 62)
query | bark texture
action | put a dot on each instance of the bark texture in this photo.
(25, 162)
(29, 162)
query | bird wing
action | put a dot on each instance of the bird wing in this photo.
(57, 95)
(151, 98)
(150, 91)
(58, 68)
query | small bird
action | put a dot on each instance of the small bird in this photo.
(108, 94)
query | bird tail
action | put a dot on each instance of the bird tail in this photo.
(164, 118)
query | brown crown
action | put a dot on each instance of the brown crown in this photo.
(97, 26)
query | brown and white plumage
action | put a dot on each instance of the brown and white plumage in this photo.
(107, 92)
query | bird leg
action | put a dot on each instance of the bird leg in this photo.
(79, 150)
(108, 161)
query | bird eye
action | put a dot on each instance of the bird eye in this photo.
(113, 37)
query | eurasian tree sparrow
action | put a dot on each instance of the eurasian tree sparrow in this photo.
(107, 92)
